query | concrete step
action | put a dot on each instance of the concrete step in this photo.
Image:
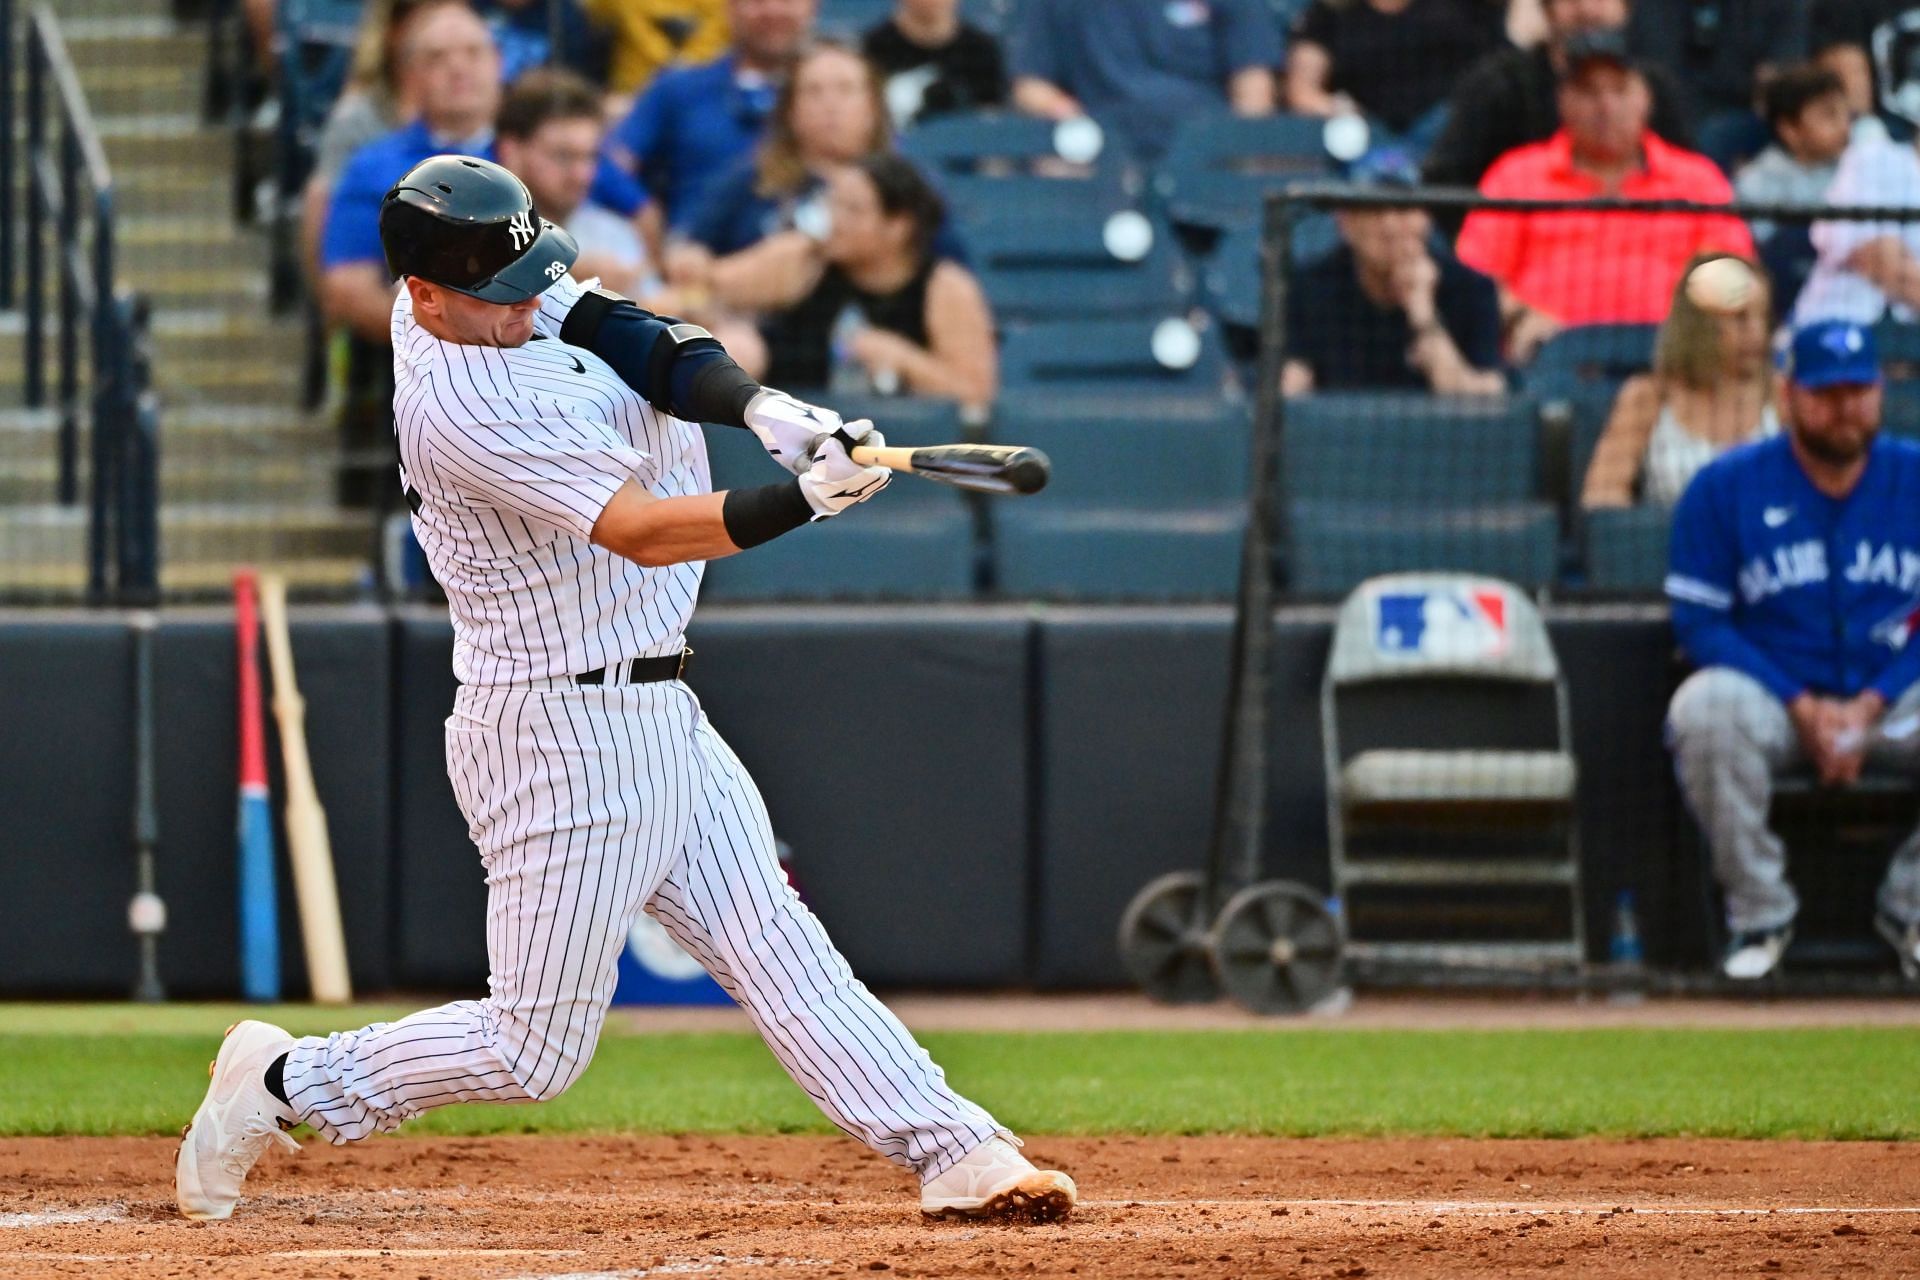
(162, 192)
(315, 575)
(114, 91)
(70, 11)
(188, 479)
(121, 41)
(193, 434)
(232, 534)
(138, 146)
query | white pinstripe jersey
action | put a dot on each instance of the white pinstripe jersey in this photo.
(514, 453)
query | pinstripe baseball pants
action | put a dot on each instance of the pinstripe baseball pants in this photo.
(589, 805)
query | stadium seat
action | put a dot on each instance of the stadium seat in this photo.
(1901, 414)
(1587, 356)
(915, 541)
(1232, 276)
(1627, 548)
(1899, 344)
(877, 552)
(1393, 447)
(1052, 265)
(1147, 500)
(1333, 546)
(1380, 482)
(1219, 168)
(1115, 355)
(986, 164)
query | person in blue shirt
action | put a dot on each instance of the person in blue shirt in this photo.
(1141, 67)
(695, 123)
(1795, 586)
(450, 66)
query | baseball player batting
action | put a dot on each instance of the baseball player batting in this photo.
(559, 486)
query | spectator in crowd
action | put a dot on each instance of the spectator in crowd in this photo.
(1864, 269)
(548, 133)
(1141, 67)
(829, 114)
(1807, 112)
(1722, 53)
(1870, 45)
(1391, 308)
(933, 63)
(1511, 97)
(376, 99)
(1557, 269)
(1393, 61)
(450, 69)
(650, 35)
(1795, 568)
(873, 306)
(1711, 389)
(695, 123)
(550, 130)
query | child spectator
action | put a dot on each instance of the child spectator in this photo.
(1808, 115)
(933, 63)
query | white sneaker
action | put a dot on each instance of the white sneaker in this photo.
(235, 1123)
(995, 1181)
(1752, 956)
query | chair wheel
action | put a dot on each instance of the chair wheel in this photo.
(1164, 940)
(1276, 948)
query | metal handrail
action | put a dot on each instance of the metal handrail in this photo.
(123, 515)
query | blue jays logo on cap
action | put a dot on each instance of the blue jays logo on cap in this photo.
(1829, 353)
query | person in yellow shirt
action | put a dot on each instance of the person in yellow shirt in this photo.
(649, 34)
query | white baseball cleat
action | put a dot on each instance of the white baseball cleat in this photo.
(234, 1125)
(995, 1181)
(1752, 956)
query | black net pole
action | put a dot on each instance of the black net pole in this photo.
(1240, 794)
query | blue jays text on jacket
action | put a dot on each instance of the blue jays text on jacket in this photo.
(1801, 591)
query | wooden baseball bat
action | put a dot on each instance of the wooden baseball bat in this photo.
(308, 848)
(984, 468)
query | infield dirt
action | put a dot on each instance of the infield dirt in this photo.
(767, 1208)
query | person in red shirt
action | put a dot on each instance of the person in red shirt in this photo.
(1588, 266)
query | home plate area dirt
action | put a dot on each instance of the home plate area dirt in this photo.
(767, 1208)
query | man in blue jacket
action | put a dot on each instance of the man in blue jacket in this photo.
(1795, 586)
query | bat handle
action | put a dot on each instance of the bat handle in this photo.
(892, 457)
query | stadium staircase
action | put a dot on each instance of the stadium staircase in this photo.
(246, 475)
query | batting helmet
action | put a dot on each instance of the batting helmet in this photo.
(469, 225)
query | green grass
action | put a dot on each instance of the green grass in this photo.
(124, 1070)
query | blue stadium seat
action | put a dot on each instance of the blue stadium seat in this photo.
(1901, 414)
(915, 541)
(1147, 500)
(1587, 356)
(1108, 355)
(1055, 265)
(1232, 275)
(1398, 447)
(1334, 546)
(1899, 344)
(988, 163)
(1219, 167)
(1627, 548)
(1385, 482)
(886, 549)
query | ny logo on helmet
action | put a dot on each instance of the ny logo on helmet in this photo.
(521, 229)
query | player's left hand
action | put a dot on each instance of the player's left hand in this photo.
(786, 427)
(833, 481)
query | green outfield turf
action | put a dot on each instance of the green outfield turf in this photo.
(125, 1070)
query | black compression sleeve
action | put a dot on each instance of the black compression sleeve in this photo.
(754, 516)
(677, 367)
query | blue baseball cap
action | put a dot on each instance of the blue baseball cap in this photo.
(1831, 353)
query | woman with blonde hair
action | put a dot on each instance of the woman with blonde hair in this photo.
(1711, 390)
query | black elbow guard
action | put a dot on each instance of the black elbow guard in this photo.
(675, 366)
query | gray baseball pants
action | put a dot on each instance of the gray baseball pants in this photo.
(1730, 738)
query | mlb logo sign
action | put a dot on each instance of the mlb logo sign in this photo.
(1441, 626)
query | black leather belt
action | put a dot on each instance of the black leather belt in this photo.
(639, 670)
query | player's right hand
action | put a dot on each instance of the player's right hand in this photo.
(835, 481)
